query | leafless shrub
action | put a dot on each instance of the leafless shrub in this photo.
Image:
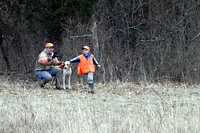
(135, 40)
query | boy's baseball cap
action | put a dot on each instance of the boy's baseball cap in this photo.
(86, 47)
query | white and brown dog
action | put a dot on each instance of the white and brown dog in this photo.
(66, 68)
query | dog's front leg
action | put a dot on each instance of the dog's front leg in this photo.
(69, 86)
(63, 78)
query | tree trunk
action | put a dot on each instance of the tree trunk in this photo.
(3, 52)
(95, 37)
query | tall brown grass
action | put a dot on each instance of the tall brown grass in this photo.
(115, 108)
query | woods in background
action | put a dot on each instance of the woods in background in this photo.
(134, 40)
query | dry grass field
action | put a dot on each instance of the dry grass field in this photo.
(114, 108)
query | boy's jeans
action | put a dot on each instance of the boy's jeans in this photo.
(89, 79)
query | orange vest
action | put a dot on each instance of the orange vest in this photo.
(85, 65)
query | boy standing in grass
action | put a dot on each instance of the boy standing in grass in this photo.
(86, 66)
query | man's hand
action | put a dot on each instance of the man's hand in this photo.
(61, 63)
(49, 59)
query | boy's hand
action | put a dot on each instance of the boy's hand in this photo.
(99, 66)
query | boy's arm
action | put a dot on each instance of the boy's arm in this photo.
(76, 59)
(95, 61)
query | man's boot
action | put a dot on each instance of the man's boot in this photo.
(42, 82)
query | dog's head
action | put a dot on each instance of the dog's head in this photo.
(67, 65)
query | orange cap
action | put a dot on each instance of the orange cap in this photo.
(86, 47)
(49, 45)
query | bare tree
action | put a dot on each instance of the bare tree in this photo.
(132, 39)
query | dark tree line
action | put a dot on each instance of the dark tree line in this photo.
(134, 40)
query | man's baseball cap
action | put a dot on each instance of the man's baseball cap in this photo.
(49, 45)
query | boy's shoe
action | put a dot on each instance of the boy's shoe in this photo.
(89, 90)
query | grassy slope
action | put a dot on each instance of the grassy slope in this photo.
(115, 108)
